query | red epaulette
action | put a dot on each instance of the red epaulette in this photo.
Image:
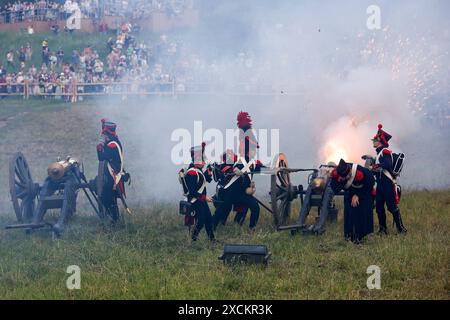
(225, 169)
(192, 172)
(387, 151)
(259, 163)
(359, 175)
(334, 173)
(112, 145)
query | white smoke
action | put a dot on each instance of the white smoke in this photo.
(333, 82)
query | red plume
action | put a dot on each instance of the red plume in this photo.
(380, 126)
(244, 121)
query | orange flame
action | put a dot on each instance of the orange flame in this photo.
(334, 152)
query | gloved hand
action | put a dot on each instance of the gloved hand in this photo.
(376, 168)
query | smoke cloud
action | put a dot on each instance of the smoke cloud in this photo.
(332, 81)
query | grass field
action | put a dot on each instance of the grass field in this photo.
(149, 255)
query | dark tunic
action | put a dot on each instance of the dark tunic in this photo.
(235, 196)
(195, 178)
(386, 193)
(358, 221)
(109, 153)
(385, 186)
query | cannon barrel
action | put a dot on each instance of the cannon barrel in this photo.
(57, 170)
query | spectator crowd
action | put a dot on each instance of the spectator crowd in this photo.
(45, 10)
(127, 61)
(165, 64)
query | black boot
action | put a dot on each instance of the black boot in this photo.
(382, 223)
(195, 234)
(210, 233)
(398, 222)
(382, 231)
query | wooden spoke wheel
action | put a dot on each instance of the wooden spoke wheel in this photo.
(281, 191)
(22, 189)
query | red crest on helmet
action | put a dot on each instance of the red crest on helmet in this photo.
(244, 121)
(382, 136)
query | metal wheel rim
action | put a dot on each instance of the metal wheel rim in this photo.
(21, 188)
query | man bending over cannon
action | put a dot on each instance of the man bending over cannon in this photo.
(110, 152)
(358, 183)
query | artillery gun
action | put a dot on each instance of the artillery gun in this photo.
(59, 191)
(320, 195)
(283, 192)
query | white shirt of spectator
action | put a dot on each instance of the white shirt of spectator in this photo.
(68, 6)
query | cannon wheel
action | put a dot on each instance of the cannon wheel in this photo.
(280, 186)
(22, 189)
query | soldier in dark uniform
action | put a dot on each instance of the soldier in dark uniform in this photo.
(357, 182)
(222, 174)
(110, 150)
(386, 191)
(239, 190)
(196, 180)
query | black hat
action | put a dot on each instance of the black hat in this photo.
(343, 168)
(197, 152)
(382, 136)
(109, 127)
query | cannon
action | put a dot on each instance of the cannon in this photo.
(318, 194)
(283, 192)
(59, 191)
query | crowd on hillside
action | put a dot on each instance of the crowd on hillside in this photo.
(165, 64)
(136, 9)
(127, 60)
(45, 10)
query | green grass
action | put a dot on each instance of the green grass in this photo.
(149, 255)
